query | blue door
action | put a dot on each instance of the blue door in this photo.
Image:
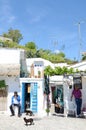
(23, 98)
(34, 99)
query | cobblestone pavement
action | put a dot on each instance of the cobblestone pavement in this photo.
(45, 123)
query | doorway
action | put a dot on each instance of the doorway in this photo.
(29, 96)
(57, 98)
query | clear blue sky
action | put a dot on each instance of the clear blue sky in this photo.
(48, 23)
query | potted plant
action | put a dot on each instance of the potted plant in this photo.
(47, 111)
(2, 84)
(39, 74)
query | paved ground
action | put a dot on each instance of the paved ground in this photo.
(45, 123)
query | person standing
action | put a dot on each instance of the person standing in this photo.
(78, 98)
(15, 101)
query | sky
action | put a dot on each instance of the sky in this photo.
(57, 25)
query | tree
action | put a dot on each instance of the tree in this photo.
(31, 49)
(47, 92)
(9, 44)
(49, 70)
(15, 35)
(31, 45)
(45, 54)
(83, 56)
(59, 71)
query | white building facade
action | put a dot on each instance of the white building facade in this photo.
(26, 76)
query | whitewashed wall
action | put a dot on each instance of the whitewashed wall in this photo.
(67, 90)
(9, 56)
(41, 103)
(80, 66)
(83, 91)
(13, 84)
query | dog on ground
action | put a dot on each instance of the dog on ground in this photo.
(30, 121)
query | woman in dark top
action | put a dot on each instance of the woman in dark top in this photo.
(78, 98)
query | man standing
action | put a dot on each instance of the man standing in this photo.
(15, 101)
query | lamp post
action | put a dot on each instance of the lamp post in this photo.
(80, 39)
